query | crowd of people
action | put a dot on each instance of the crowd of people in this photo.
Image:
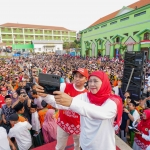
(31, 118)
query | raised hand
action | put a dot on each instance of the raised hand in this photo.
(62, 98)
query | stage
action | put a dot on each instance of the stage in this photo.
(51, 146)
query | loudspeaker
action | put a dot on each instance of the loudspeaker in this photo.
(134, 61)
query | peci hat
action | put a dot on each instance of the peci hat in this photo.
(7, 96)
(82, 71)
(43, 103)
(14, 117)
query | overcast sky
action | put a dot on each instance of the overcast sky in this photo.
(72, 14)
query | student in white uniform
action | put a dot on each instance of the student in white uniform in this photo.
(5, 142)
(35, 119)
(98, 110)
(20, 131)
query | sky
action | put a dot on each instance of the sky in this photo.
(71, 14)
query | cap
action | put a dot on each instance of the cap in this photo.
(3, 89)
(14, 117)
(82, 71)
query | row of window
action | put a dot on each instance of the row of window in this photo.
(36, 30)
(21, 36)
(123, 19)
(117, 40)
(16, 42)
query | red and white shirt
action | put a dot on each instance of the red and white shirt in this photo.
(68, 120)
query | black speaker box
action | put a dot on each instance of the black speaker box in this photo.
(137, 61)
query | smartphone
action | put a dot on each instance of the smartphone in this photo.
(49, 82)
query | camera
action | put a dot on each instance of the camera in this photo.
(49, 82)
(24, 95)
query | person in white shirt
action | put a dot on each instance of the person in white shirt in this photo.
(133, 116)
(35, 119)
(20, 131)
(98, 110)
(5, 142)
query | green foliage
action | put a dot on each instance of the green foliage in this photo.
(76, 44)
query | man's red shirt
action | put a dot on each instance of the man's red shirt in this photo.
(2, 100)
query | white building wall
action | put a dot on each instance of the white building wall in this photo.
(58, 47)
(41, 48)
(38, 48)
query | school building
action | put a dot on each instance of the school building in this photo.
(127, 29)
(23, 36)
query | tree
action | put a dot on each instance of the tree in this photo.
(73, 45)
(66, 45)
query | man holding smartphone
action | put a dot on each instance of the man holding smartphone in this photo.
(69, 121)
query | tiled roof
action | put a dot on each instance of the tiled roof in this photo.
(137, 4)
(18, 25)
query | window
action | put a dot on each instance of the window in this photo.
(135, 32)
(103, 25)
(96, 28)
(126, 34)
(14, 29)
(9, 29)
(100, 42)
(90, 30)
(146, 36)
(113, 22)
(139, 14)
(4, 35)
(124, 19)
(9, 35)
(21, 36)
(31, 30)
(117, 39)
(26, 36)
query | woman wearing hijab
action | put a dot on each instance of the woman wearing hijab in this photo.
(142, 138)
(49, 127)
(98, 110)
(14, 97)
